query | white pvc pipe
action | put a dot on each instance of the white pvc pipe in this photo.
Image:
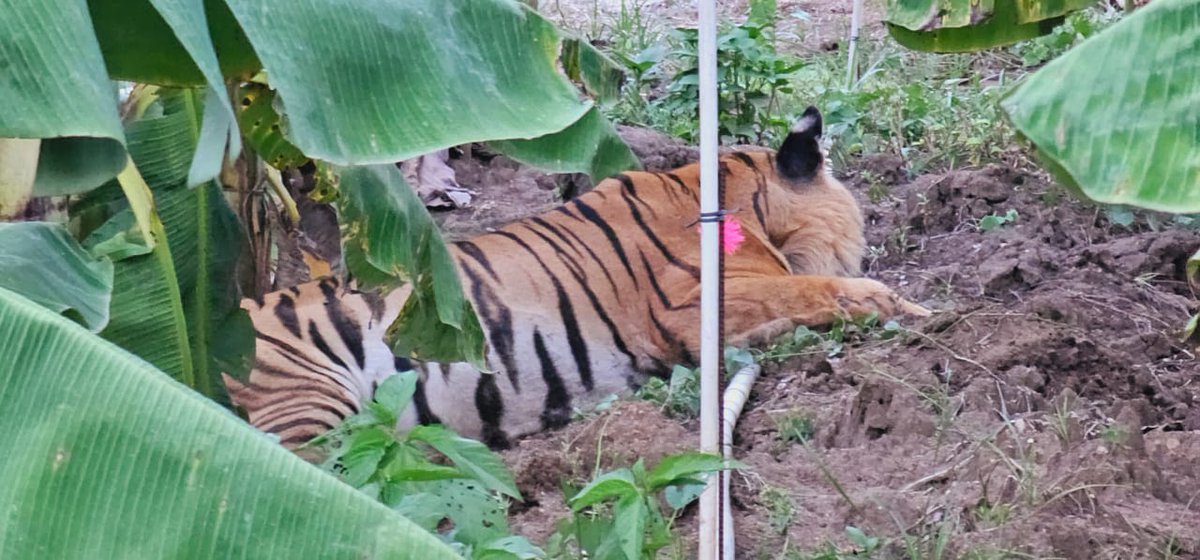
(736, 394)
(710, 278)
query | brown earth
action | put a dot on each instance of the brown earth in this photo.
(1048, 408)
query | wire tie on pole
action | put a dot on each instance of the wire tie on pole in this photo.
(710, 217)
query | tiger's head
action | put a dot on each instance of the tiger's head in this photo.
(807, 214)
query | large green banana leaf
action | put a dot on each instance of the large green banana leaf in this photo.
(105, 457)
(177, 307)
(361, 82)
(44, 263)
(591, 146)
(1119, 116)
(54, 87)
(967, 25)
(392, 239)
(167, 42)
(379, 82)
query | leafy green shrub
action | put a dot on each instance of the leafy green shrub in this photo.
(447, 484)
(752, 78)
(619, 514)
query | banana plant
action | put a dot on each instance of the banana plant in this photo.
(971, 25)
(107, 440)
(1113, 118)
(105, 456)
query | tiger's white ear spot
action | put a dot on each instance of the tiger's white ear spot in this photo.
(806, 123)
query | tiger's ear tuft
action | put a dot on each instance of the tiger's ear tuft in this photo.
(800, 155)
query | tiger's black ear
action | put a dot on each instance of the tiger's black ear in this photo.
(800, 156)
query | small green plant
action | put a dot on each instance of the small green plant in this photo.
(934, 112)
(933, 542)
(604, 404)
(452, 486)
(795, 427)
(780, 509)
(1119, 215)
(1062, 420)
(737, 358)
(631, 30)
(877, 190)
(679, 397)
(993, 221)
(619, 515)
(864, 545)
(1135, 218)
(1115, 435)
(993, 515)
(1171, 548)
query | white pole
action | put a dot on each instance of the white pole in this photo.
(710, 279)
(852, 63)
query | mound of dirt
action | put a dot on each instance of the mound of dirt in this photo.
(1047, 408)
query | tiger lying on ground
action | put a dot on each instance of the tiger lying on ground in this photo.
(580, 302)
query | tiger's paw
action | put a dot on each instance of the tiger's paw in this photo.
(860, 297)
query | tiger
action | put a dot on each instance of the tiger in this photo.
(588, 299)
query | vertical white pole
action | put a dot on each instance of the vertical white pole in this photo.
(710, 278)
(855, 25)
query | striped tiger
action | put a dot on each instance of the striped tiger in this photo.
(585, 300)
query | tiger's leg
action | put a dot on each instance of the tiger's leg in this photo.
(758, 309)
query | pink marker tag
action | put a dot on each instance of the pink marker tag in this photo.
(731, 234)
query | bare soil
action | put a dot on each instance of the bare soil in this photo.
(1047, 410)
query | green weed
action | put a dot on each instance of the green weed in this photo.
(877, 190)
(863, 544)
(993, 515)
(679, 397)
(619, 513)
(780, 509)
(1115, 435)
(452, 486)
(993, 221)
(795, 427)
(753, 78)
(805, 341)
